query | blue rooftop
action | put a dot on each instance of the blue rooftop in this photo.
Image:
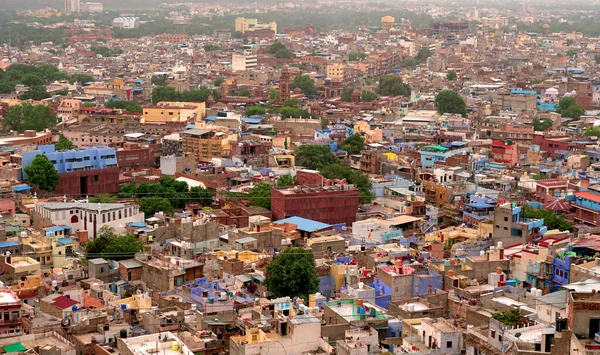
(137, 224)
(305, 225)
(523, 92)
(210, 118)
(479, 205)
(65, 241)
(9, 244)
(252, 120)
(57, 228)
(21, 188)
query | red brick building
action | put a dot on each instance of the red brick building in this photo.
(136, 158)
(328, 204)
(89, 182)
(505, 152)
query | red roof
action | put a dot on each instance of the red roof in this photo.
(64, 302)
(589, 195)
(552, 182)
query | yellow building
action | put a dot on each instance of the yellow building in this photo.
(387, 22)
(206, 144)
(165, 111)
(335, 71)
(243, 24)
(115, 87)
(141, 302)
(361, 126)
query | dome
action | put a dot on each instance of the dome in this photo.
(551, 91)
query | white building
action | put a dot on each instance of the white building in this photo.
(126, 22)
(90, 216)
(245, 61)
(92, 7)
(165, 343)
(72, 6)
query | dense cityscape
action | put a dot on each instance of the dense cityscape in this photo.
(328, 177)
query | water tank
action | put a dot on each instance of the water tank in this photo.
(106, 327)
(500, 245)
(538, 292)
(74, 308)
(361, 285)
(123, 334)
(175, 346)
(253, 266)
(211, 300)
(123, 306)
(410, 307)
(95, 286)
(362, 310)
(223, 296)
(534, 291)
(54, 284)
(597, 338)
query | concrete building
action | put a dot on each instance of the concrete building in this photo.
(92, 7)
(167, 344)
(80, 216)
(510, 228)
(328, 204)
(247, 60)
(251, 24)
(166, 111)
(205, 144)
(505, 152)
(301, 334)
(82, 171)
(436, 335)
(72, 6)
(387, 22)
(126, 23)
(12, 324)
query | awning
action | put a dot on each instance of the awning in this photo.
(21, 188)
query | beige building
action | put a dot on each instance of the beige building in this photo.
(335, 71)
(243, 24)
(244, 61)
(166, 111)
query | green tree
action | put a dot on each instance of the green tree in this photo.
(353, 144)
(151, 205)
(276, 47)
(356, 56)
(102, 198)
(423, 54)
(260, 195)
(597, 58)
(368, 96)
(592, 131)
(568, 107)
(357, 178)
(390, 85)
(64, 144)
(42, 173)
(551, 219)
(449, 101)
(539, 125)
(7, 87)
(285, 180)
(274, 95)
(32, 79)
(451, 75)
(254, 110)
(126, 106)
(346, 94)
(314, 156)
(28, 117)
(211, 47)
(571, 53)
(197, 95)
(284, 53)
(292, 102)
(164, 93)
(304, 83)
(218, 81)
(108, 245)
(204, 196)
(293, 273)
(241, 92)
(160, 80)
(81, 78)
(511, 317)
(36, 93)
(237, 34)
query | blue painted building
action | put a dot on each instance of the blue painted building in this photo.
(432, 153)
(67, 161)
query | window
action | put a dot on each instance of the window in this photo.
(493, 334)
(448, 345)
(96, 178)
(101, 269)
(505, 219)
(500, 338)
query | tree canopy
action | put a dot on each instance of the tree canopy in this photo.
(356, 56)
(353, 144)
(449, 101)
(169, 93)
(451, 75)
(551, 219)
(64, 144)
(151, 205)
(293, 273)
(304, 83)
(592, 131)
(102, 198)
(568, 107)
(254, 110)
(42, 173)
(160, 80)
(539, 125)
(260, 195)
(346, 94)
(368, 96)
(285, 180)
(126, 106)
(390, 85)
(313, 156)
(109, 245)
(28, 117)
